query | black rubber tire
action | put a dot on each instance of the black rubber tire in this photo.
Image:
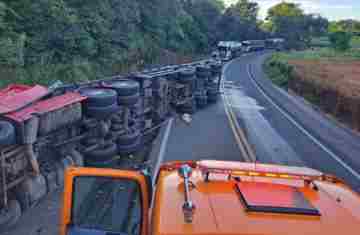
(116, 127)
(90, 141)
(203, 74)
(99, 97)
(216, 67)
(7, 133)
(186, 79)
(101, 113)
(203, 68)
(129, 100)
(128, 149)
(189, 107)
(201, 101)
(128, 139)
(187, 73)
(188, 110)
(123, 87)
(103, 154)
(11, 216)
(213, 95)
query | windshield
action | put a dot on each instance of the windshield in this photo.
(107, 204)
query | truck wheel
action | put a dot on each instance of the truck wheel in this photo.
(213, 95)
(129, 100)
(10, 215)
(98, 97)
(90, 141)
(117, 127)
(188, 110)
(102, 154)
(7, 133)
(186, 76)
(128, 149)
(101, 112)
(128, 138)
(216, 68)
(123, 87)
(201, 101)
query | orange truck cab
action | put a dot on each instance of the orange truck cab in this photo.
(208, 198)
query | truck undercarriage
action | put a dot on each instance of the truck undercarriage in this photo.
(99, 123)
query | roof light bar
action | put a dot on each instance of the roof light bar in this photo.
(259, 170)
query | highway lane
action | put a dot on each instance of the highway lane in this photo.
(275, 138)
(209, 135)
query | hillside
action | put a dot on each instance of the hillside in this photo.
(45, 40)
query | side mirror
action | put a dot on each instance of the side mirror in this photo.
(100, 201)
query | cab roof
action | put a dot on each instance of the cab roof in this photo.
(222, 203)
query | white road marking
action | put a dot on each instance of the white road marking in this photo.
(162, 148)
(302, 129)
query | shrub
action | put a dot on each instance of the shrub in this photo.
(278, 70)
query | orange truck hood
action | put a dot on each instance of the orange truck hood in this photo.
(219, 209)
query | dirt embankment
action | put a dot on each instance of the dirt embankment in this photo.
(333, 85)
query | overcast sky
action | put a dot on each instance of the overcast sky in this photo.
(331, 9)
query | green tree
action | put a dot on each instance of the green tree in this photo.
(239, 22)
(288, 20)
(340, 40)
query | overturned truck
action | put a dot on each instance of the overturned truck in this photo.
(45, 130)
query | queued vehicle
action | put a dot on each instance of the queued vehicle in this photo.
(208, 197)
(253, 45)
(277, 44)
(228, 50)
(44, 130)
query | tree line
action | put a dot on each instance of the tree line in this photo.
(44, 40)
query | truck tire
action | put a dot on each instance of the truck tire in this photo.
(10, 215)
(128, 149)
(186, 76)
(99, 97)
(101, 112)
(128, 138)
(189, 107)
(123, 87)
(216, 68)
(129, 100)
(116, 127)
(7, 133)
(90, 141)
(213, 95)
(201, 101)
(105, 153)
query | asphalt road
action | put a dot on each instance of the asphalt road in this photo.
(283, 129)
(208, 136)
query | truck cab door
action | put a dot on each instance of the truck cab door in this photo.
(104, 201)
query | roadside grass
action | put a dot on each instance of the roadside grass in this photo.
(324, 42)
(319, 54)
(326, 78)
(281, 72)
